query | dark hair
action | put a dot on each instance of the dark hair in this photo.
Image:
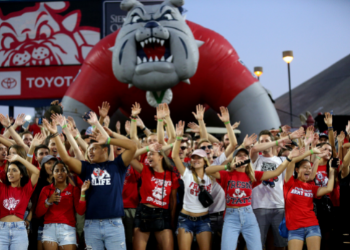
(327, 166)
(287, 148)
(26, 132)
(20, 150)
(43, 174)
(47, 140)
(324, 143)
(22, 169)
(40, 147)
(265, 132)
(188, 136)
(65, 166)
(165, 162)
(297, 165)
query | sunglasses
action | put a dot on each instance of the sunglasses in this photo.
(206, 147)
(183, 148)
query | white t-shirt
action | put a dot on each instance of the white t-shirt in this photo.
(191, 202)
(218, 193)
(269, 194)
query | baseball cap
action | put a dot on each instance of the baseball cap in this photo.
(238, 150)
(200, 153)
(323, 135)
(47, 158)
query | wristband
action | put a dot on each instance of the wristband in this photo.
(144, 128)
(165, 125)
(281, 130)
(83, 195)
(318, 158)
(31, 156)
(160, 120)
(93, 126)
(9, 126)
(330, 128)
(312, 152)
(228, 122)
(288, 159)
(171, 145)
(179, 138)
(42, 128)
(108, 140)
(133, 120)
(76, 137)
(47, 202)
(64, 126)
(226, 167)
(276, 143)
(147, 148)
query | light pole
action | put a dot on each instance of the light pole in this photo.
(258, 72)
(288, 57)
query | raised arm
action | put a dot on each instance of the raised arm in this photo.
(328, 120)
(135, 111)
(199, 115)
(73, 164)
(142, 126)
(326, 190)
(34, 172)
(7, 142)
(340, 139)
(169, 124)
(37, 140)
(175, 154)
(160, 128)
(103, 111)
(346, 163)
(262, 146)
(291, 165)
(13, 133)
(225, 118)
(155, 147)
(196, 129)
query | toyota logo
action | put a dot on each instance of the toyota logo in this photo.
(8, 83)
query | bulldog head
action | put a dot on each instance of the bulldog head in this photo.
(155, 49)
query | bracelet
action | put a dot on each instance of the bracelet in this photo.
(226, 167)
(228, 122)
(318, 158)
(108, 140)
(330, 127)
(9, 126)
(93, 126)
(147, 148)
(276, 143)
(54, 135)
(165, 125)
(281, 130)
(83, 195)
(144, 128)
(133, 120)
(64, 126)
(171, 145)
(77, 137)
(134, 117)
(160, 120)
(312, 152)
(42, 128)
(179, 138)
(31, 156)
(28, 220)
(47, 202)
(288, 159)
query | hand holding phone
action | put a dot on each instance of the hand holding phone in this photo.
(335, 162)
(242, 163)
(87, 115)
(40, 121)
(58, 192)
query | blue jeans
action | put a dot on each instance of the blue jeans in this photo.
(106, 233)
(240, 220)
(13, 236)
(304, 232)
(62, 234)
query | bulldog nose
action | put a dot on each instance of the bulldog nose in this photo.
(151, 25)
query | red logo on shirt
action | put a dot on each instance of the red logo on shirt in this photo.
(194, 188)
(238, 196)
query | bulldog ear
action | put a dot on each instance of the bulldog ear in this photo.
(127, 5)
(176, 3)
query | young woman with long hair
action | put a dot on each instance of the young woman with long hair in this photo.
(58, 203)
(238, 182)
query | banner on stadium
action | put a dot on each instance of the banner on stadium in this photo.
(48, 33)
(36, 82)
(113, 16)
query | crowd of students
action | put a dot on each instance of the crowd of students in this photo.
(171, 190)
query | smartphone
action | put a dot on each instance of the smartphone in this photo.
(25, 125)
(335, 163)
(58, 191)
(243, 163)
(87, 115)
(40, 121)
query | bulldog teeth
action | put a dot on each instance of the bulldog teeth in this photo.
(150, 59)
(158, 41)
(144, 60)
(146, 41)
(154, 39)
(156, 59)
(142, 44)
(162, 59)
(170, 59)
(150, 40)
(139, 60)
(162, 42)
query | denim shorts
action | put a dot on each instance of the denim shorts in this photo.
(62, 234)
(194, 225)
(40, 233)
(303, 233)
(151, 212)
(13, 235)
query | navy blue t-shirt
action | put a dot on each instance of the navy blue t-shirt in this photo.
(104, 197)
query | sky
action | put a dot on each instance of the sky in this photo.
(317, 31)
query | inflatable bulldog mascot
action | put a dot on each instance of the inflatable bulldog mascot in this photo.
(159, 57)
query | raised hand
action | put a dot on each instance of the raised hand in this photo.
(106, 121)
(315, 141)
(283, 142)
(70, 119)
(38, 139)
(341, 137)
(139, 122)
(296, 152)
(127, 127)
(60, 119)
(117, 125)
(236, 125)
(309, 135)
(180, 128)
(225, 116)
(99, 138)
(5, 121)
(248, 141)
(199, 115)
(328, 119)
(297, 134)
(135, 109)
(155, 147)
(166, 110)
(286, 128)
(104, 110)
(52, 128)
(85, 186)
(93, 119)
(161, 112)
(12, 158)
(20, 120)
(194, 127)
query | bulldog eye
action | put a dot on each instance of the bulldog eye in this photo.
(135, 19)
(168, 16)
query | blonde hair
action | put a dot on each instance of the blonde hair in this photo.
(248, 170)
(202, 141)
(206, 164)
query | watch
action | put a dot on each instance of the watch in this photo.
(48, 203)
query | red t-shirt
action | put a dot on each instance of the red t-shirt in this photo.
(130, 191)
(238, 187)
(152, 187)
(187, 159)
(34, 128)
(14, 201)
(2, 172)
(64, 211)
(299, 204)
(143, 158)
(321, 180)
